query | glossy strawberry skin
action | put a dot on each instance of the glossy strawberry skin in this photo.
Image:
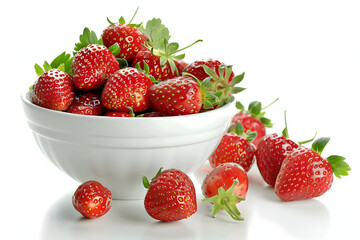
(129, 38)
(303, 174)
(87, 104)
(171, 196)
(252, 124)
(92, 199)
(270, 153)
(234, 148)
(54, 90)
(196, 68)
(224, 176)
(127, 87)
(176, 96)
(155, 69)
(117, 114)
(92, 65)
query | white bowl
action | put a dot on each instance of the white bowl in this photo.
(118, 151)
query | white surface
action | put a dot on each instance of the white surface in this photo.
(304, 52)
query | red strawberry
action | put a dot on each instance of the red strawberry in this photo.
(117, 114)
(92, 199)
(171, 196)
(125, 88)
(305, 174)
(270, 153)
(235, 146)
(54, 90)
(196, 68)
(87, 104)
(226, 185)
(176, 96)
(153, 114)
(92, 65)
(253, 119)
(127, 36)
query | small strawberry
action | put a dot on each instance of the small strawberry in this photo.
(305, 174)
(235, 146)
(253, 119)
(271, 152)
(87, 104)
(196, 68)
(127, 36)
(176, 96)
(161, 56)
(92, 199)
(225, 186)
(125, 88)
(54, 88)
(129, 113)
(171, 196)
(92, 65)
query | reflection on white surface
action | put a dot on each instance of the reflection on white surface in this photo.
(308, 219)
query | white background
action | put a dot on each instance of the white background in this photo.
(304, 52)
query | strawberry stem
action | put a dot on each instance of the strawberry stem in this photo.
(134, 15)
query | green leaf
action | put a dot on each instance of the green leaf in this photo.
(145, 182)
(122, 20)
(338, 165)
(163, 61)
(236, 90)
(239, 128)
(250, 135)
(86, 38)
(178, 57)
(267, 122)
(319, 144)
(240, 106)
(254, 108)
(111, 23)
(47, 66)
(62, 67)
(173, 47)
(237, 79)
(307, 141)
(210, 72)
(115, 49)
(38, 70)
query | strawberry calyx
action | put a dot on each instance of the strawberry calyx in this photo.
(238, 129)
(89, 37)
(62, 62)
(158, 37)
(226, 200)
(338, 164)
(220, 85)
(146, 182)
(255, 110)
(122, 20)
(146, 71)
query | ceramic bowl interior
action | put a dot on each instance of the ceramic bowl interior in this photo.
(118, 151)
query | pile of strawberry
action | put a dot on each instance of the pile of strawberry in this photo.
(133, 70)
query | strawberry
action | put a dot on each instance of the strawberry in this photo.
(125, 88)
(87, 104)
(271, 152)
(153, 114)
(171, 196)
(235, 146)
(92, 65)
(225, 186)
(161, 56)
(305, 174)
(117, 114)
(54, 88)
(127, 36)
(253, 119)
(176, 96)
(92, 199)
(196, 68)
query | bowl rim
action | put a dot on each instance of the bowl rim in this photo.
(25, 97)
